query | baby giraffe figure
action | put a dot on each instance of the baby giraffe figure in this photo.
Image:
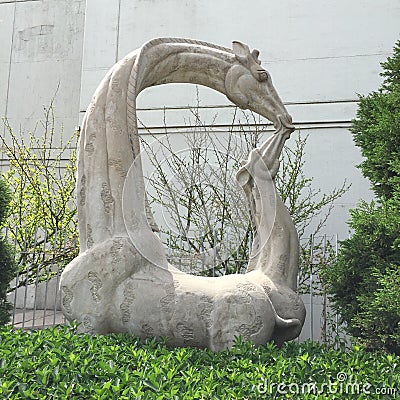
(275, 248)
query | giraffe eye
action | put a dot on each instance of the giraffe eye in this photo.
(262, 75)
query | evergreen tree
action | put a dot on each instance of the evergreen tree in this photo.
(365, 281)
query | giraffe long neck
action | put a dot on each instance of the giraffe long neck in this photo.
(181, 61)
(110, 142)
(276, 248)
(276, 252)
(279, 256)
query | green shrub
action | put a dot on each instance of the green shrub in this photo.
(7, 265)
(59, 364)
(364, 282)
(380, 320)
(377, 131)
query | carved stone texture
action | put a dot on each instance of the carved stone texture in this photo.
(121, 281)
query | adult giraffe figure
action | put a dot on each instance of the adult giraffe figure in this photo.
(121, 281)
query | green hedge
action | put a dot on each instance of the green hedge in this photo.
(57, 363)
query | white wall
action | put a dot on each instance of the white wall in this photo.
(320, 54)
(41, 50)
(327, 50)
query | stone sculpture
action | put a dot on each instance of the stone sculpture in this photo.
(121, 281)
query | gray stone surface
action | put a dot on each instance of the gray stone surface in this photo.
(28, 318)
(121, 280)
(39, 295)
(41, 59)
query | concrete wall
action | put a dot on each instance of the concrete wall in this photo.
(314, 50)
(40, 58)
(320, 54)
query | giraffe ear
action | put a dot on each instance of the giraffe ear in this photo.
(243, 176)
(255, 53)
(240, 49)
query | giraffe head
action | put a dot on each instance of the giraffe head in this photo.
(262, 164)
(249, 86)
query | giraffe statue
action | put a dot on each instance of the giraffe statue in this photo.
(121, 280)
